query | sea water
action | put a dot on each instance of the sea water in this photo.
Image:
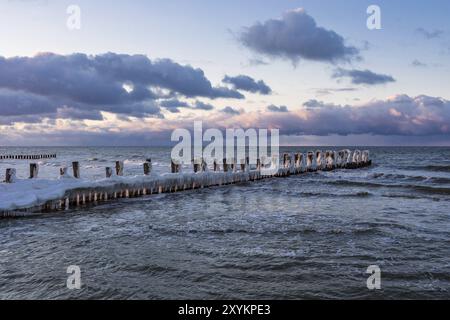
(303, 237)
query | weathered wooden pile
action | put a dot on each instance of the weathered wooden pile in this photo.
(117, 187)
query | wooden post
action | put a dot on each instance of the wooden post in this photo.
(204, 165)
(173, 166)
(233, 165)
(286, 160)
(243, 166)
(333, 159)
(34, 170)
(76, 169)
(63, 171)
(225, 165)
(319, 159)
(119, 168)
(147, 168)
(297, 160)
(309, 160)
(10, 175)
(258, 164)
(197, 164)
(108, 172)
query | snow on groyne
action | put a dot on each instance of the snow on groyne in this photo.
(26, 197)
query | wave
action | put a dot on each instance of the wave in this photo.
(434, 168)
(393, 176)
(267, 231)
(409, 196)
(439, 180)
(419, 188)
(440, 168)
(432, 190)
(351, 183)
(362, 194)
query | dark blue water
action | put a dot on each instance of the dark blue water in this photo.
(302, 237)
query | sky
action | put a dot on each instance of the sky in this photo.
(136, 70)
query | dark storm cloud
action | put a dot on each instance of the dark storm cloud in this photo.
(122, 84)
(399, 115)
(231, 111)
(174, 105)
(203, 106)
(78, 114)
(246, 83)
(313, 103)
(296, 36)
(407, 119)
(30, 108)
(274, 108)
(366, 77)
(13, 103)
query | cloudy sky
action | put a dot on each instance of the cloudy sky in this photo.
(137, 70)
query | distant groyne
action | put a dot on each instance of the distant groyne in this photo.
(27, 156)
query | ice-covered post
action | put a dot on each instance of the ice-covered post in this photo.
(233, 165)
(319, 159)
(204, 165)
(365, 157)
(216, 166)
(287, 160)
(258, 164)
(225, 165)
(197, 165)
(359, 158)
(10, 176)
(175, 166)
(332, 159)
(34, 170)
(109, 172)
(356, 158)
(147, 168)
(309, 160)
(63, 171)
(119, 168)
(76, 169)
(243, 165)
(298, 160)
